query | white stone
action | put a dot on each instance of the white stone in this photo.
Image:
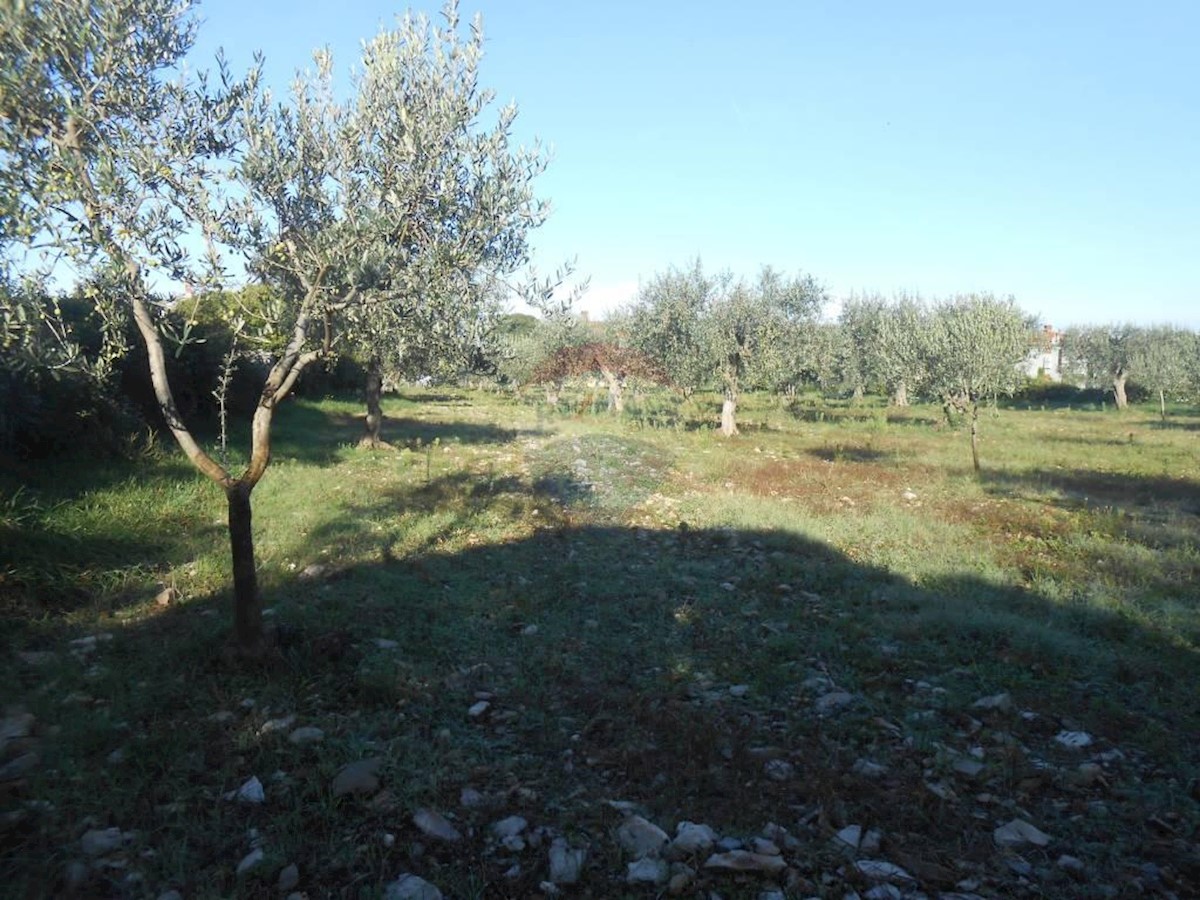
(478, 709)
(1002, 702)
(1017, 833)
(691, 839)
(250, 792)
(306, 734)
(1076, 740)
(99, 841)
(851, 836)
(435, 825)
(509, 827)
(289, 877)
(566, 863)
(410, 887)
(273, 725)
(249, 861)
(744, 861)
(647, 870)
(641, 838)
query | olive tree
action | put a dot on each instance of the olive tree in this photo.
(433, 148)
(116, 165)
(886, 344)
(975, 344)
(665, 322)
(111, 165)
(706, 330)
(1104, 353)
(1159, 359)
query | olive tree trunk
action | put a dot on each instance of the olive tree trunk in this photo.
(975, 435)
(616, 390)
(729, 413)
(249, 639)
(373, 394)
(900, 395)
(1119, 390)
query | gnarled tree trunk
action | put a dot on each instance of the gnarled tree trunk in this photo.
(1119, 390)
(616, 390)
(975, 435)
(374, 400)
(729, 414)
(900, 395)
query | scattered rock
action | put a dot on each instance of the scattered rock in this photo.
(271, 726)
(435, 825)
(779, 770)
(100, 841)
(250, 861)
(509, 827)
(1070, 864)
(640, 838)
(305, 735)
(648, 870)
(833, 702)
(969, 767)
(764, 847)
(692, 840)
(166, 597)
(868, 769)
(478, 708)
(470, 798)
(529, 630)
(745, 861)
(289, 877)
(385, 643)
(250, 792)
(680, 881)
(851, 836)
(315, 570)
(116, 757)
(17, 725)
(566, 864)
(1017, 833)
(223, 717)
(739, 690)
(410, 887)
(909, 495)
(1075, 740)
(18, 768)
(360, 778)
(170, 895)
(1001, 702)
(882, 870)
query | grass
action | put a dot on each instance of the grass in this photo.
(604, 583)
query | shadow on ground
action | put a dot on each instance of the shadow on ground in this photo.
(678, 670)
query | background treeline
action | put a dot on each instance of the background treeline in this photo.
(706, 332)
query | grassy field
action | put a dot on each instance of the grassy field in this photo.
(780, 635)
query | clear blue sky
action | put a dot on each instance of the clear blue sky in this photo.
(1050, 150)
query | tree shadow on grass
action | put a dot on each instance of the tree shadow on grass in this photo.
(416, 433)
(840, 453)
(727, 676)
(1089, 489)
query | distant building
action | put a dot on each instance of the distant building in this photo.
(1045, 358)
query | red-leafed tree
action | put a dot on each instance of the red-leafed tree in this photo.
(613, 363)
